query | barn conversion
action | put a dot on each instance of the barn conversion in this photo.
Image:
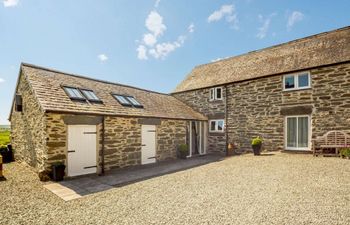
(288, 94)
(93, 125)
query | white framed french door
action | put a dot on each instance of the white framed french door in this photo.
(298, 132)
(198, 132)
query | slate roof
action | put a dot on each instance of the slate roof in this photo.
(313, 51)
(47, 85)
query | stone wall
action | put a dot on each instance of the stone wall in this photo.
(170, 134)
(331, 99)
(259, 107)
(199, 101)
(122, 140)
(28, 128)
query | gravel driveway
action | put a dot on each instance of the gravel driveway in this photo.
(276, 189)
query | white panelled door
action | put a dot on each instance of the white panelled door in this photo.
(81, 150)
(148, 149)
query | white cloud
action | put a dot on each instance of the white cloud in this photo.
(226, 11)
(102, 57)
(156, 4)
(163, 49)
(293, 18)
(149, 39)
(149, 45)
(262, 31)
(2, 80)
(10, 3)
(190, 28)
(154, 23)
(142, 52)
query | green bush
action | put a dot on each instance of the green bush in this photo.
(257, 141)
(344, 152)
(183, 148)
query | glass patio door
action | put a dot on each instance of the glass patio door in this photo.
(297, 132)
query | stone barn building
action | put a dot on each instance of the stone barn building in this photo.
(93, 125)
(288, 94)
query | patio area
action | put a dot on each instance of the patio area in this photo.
(77, 187)
(279, 188)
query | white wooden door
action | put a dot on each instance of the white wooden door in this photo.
(148, 149)
(81, 150)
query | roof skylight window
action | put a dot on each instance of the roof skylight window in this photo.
(74, 93)
(127, 100)
(122, 100)
(90, 95)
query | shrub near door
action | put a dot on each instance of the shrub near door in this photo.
(256, 145)
(183, 151)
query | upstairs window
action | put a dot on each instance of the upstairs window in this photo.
(296, 81)
(216, 125)
(74, 93)
(90, 95)
(215, 94)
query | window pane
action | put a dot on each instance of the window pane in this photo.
(303, 132)
(212, 125)
(218, 93)
(74, 93)
(303, 80)
(291, 132)
(133, 101)
(220, 125)
(122, 100)
(90, 95)
(289, 82)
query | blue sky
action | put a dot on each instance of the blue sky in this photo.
(150, 44)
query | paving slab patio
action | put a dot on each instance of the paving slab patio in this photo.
(78, 187)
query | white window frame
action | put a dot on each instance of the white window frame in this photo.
(216, 130)
(296, 81)
(215, 91)
(308, 148)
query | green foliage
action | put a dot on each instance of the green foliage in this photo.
(344, 152)
(257, 141)
(4, 138)
(183, 148)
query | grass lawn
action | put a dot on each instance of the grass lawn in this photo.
(4, 137)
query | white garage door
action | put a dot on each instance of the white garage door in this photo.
(81, 149)
(148, 150)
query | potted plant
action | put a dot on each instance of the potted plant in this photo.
(183, 151)
(344, 153)
(58, 171)
(256, 145)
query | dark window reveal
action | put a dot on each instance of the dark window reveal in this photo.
(18, 105)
